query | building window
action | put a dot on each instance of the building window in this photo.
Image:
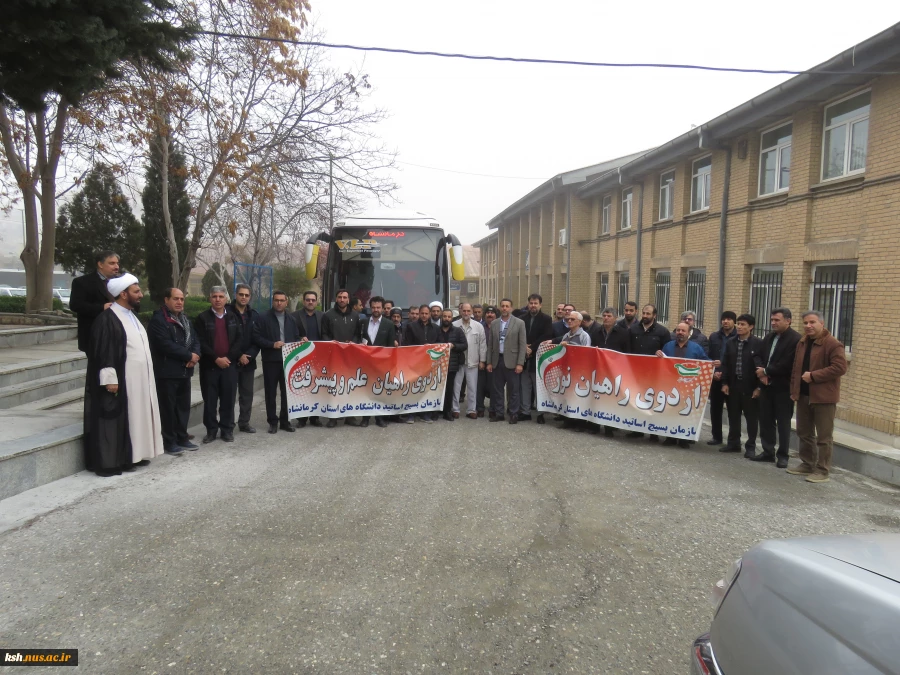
(623, 293)
(667, 195)
(775, 160)
(661, 291)
(695, 294)
(473, 288)
(846, 136)
(701, 172)
(834, 294)
(604, 291)
(605, 214)
(627, 196)
(765, 295)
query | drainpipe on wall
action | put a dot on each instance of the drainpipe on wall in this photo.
(640, 219)
(723, 229)
(568, 243)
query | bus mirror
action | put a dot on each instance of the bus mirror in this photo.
(312, 260)
(457, 265)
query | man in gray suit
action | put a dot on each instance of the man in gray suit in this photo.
(506, 352)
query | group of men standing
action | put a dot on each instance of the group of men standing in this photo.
(138, 389)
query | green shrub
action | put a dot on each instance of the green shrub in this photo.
(17, 305)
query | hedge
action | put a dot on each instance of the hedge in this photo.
(16, 305)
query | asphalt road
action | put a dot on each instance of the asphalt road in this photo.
(463, 547)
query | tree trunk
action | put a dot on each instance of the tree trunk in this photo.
(29, 255)
(167, 213)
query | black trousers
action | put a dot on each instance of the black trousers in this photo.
(775, 411)
(245, 394)
(509, 379)
(717, 402)
(485, 382)
(740, 404)
(174, 396)
(273, 378)
(219, 387)
(448, 392)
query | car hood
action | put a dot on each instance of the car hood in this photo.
(876, 553)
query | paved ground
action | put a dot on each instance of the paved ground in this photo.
(464, 547)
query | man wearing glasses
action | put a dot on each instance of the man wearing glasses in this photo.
(246, 366)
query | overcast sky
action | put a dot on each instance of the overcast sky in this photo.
(534, 121)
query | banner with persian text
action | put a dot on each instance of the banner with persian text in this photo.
(333, 379)
(660, 396)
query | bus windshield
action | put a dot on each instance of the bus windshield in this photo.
(395, 263)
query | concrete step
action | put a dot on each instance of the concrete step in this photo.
(38, 368)
(34, 390)
(37, 448)
(40, 335)
(69, 401)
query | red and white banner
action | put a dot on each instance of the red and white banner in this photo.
(333, 379)
(660, 396)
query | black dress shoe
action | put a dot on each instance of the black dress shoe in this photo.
(247, 429)
(749, 454)
(273, 428)
(210, 437)
(634, 434)
(683, 443)
(524, 418)
(331, 424)
(714, 441)
(496, 418)
(301, 423)
(107, 473)
(540, 419)
(670, 441)
(763, 457)
(513, 419)
(728, 448)
(287, 426)
(129, 467)
(652, 438)
(448, 417)
(315, 422)
(380, 422)
(781, 463)
(143, 462)
(364, 423)
(228, 437)
(608, 432)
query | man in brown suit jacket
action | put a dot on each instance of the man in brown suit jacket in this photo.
(816, 388)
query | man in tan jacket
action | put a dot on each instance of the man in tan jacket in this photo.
(816, 388)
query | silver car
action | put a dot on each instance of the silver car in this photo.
(809, 606)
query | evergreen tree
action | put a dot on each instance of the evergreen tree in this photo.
(99, 218)
(158, 260)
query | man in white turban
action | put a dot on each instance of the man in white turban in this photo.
(121, 412)
(436, 309)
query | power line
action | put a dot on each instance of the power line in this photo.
(553, 62)
(469, 173)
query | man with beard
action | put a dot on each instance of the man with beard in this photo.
(421, 332)
(485, 379)
(690, 318)
(740, 384)
(458, 345)
(396, 317)
(646, 337)
(472, 365)
(378, 331)
(538, 329)
(717, 400)
(176, 352)
(122, 426)
(341, 324)
(612, 334)
(246, 365)
(629, 315)
(90, 295)
(221, 340)
(309, 326)
(592, 328)
(436, 308)
(682, 347)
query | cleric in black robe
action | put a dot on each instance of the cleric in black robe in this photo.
(121, 411)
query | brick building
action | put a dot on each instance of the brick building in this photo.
(792, 198)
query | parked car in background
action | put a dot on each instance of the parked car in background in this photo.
(63, 295)
(809, 606)
(12, 292)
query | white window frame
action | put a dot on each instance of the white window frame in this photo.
(707, 187)
(663, 315)
(847, 136)
(669, 197)
(699, 311)
(603, 290)
(627, 203)
(778, 151)
(605, 213)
